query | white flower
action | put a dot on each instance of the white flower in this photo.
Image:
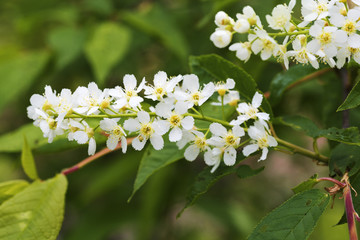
(213, 158)
(232, 98)
(243, 50)
(147, 130)
(162, 86)
(174, 119)
(250, 111)
(84, 135)
(191, 93)
(301, 53)
(222, 88)
(241, 25)
(45, 103)
(89, 99)
(281, 16)
(250, 15)
(226, 140)
(262, 42)
(128, 96)
(198, 144)
(315, 9)
(116, 132)
(345, 53)
(261, 139)
(222, 19)
(221, 38)
(48, 125)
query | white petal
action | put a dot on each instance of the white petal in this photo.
(112, 142)
(92, 146)
(191, 82)
(160, 78)
(187, 122)
(272, 142)
(123, 144)
(191, 153)
(132, 125)
(161, 127)
(81, 137)
(238, 131)
(129, 82)
(257, 99)
(264, 154)
(37, 100)
(354, 41)
(143, 117)
(175, 134)
(107, 124)
(218, 129)
(157, 141)
(135, 101)
(137, 144)
(230, 156)
(249, 149)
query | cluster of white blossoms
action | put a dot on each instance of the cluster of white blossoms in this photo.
(121, 114)
(329, 33)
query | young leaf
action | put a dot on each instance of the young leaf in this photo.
(154, 160)
(352, 100)
(307, 185)
(36, 213)
(107, 46)
(294, 219)
(28, 162)
(13, 81)
(10, 188)
(345, 158)
(285, 79)
(215, 68)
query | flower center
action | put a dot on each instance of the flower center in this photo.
(268, 45)
(117, 131)
(321, 7)
(195, 97)
(200, 143)
(251, 113)
(263, 142)
(349, 27)
(130, 93)
(146, 130)
(325, 38)
(52, 123)
(230, 139)
(89, 132)
(105, 103)
(175, 120)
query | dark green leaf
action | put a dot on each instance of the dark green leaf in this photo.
(36, 213)
(295, 219)
(107, 46)
(307, 185)
(28, 162)
(10, 188)
(345, 158)
(153, 160)
(157, 22)
(285, 79)
(300, 123)
(215, 68)
(19, 73)
(352, 100)
(245, 171)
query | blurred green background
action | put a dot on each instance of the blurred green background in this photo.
(70, 43)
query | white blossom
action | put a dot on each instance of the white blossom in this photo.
(281, 16)
(221, 38)
(243, 50)
(162, 86)
(116, 133)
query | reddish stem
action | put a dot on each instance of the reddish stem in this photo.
(350, 213)
(337, 182)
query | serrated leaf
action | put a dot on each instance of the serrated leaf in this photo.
(107, 46)
(215, 68)
(18, 74)
(68, 43)
(158, 22)
(153, 160)
(203, 182)
(345, 158)
(36, 213)
(285, 79)
(307, 185)
(295, 219)
(245, 171)
(10, 188)
(352, 100)
(28, 162)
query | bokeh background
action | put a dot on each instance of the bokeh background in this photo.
(57, 43)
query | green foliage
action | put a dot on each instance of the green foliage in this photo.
(295, 219)
(107, 46)
(345, 158)
(307, 185)
(28, 162)
(19, 73)
(154, 160)
(245, 171)
(352, 100)
(35, 212)
(11, 188)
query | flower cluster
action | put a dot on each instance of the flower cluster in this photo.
(120, 113)
(329, 33)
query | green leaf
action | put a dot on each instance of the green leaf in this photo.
(36, 213)
(18, 74)
(349, 135)
(107, 46)
(28, 162)
(307, 185)
(203, 182)
(345, 158)
(352, 100)
(294, 219)
(153, 160)
(67, 43)
(10, 188)
(158, 22)
(215, 68)
(245, 171)
(285, 79)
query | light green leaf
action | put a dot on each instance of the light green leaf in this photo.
(107, 46)
(10, 188)
(28, 162)
(287, 78)
(153, 160)
(352, 100)
(158, 22)
(307, 185)
(36, 213)
(67, 43)
(293, 220)
(345, 158)
(19, 73)
(215, 68)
